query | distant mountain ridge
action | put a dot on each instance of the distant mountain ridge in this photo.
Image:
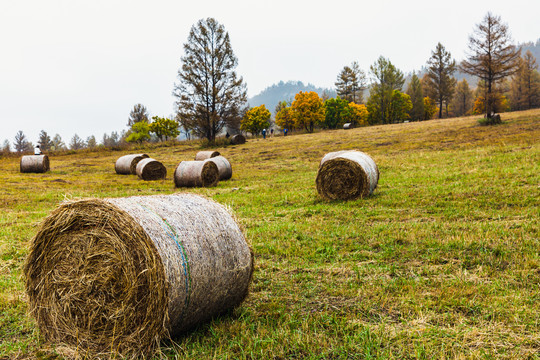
(285, 91)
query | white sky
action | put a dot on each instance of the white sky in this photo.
(71, 66)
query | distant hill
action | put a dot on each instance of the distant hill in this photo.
(533, 47)
(272, 95)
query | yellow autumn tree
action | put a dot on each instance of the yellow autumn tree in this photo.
(255, 120)
(359, 114)
(307, 110)
(430, 109)
(284, 118)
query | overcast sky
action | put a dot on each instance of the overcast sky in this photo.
(75, 66)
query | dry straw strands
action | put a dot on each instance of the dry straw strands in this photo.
(150, 169)
(127, 164)
(115, 276)
(224, 167)
(34, 164)
(238, 139)
(347, 175)
(203, 155)
(196, 174)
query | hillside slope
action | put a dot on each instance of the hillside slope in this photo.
(441, 262)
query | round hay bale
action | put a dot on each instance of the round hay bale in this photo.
(196, 174)
(347, 126)
(347, 175)
(150, 169)
(127, 164)
(224, 167)
(117, 275)
(203, 155)
(34, 164)
(238, 139)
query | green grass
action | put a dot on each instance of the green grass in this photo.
(442, 262)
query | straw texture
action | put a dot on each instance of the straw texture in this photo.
(34, 164)
(196, 174)
(127, 164)
(115, 276)
(223, 165)
(347, 175)
(150, 169)
(203, 155)
(238, 139)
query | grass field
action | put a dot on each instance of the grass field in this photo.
(443, 261)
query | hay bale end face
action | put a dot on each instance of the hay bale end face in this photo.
(238, 139)
(203, 155)
(127, 164)
(347, 175)
(196, 174)
(34, 164)
(117, 275)
(223, 165)
(150, 169)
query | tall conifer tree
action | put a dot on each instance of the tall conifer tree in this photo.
(491, 57)
(440, 83)
(209, 94)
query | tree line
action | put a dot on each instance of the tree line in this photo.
(212, 99)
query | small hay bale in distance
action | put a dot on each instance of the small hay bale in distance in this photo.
(348, 126)
(118, 275)
(127, 164)
(203, 155)
(34, 164)
(238, 139)
(196, 174)
(223, 165)
(347, 175)
(150, 169)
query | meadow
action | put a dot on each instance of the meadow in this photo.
(443, 261)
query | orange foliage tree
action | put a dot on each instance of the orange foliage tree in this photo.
(307, 110)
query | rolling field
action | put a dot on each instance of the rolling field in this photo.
(443, 261)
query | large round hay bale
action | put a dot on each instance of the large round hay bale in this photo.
(224, 167)
(118, 275)
(238, 139)
(196, 174)
(347, 175)
(203, 155)
(127, 164)
(34, 164)
(150, 169)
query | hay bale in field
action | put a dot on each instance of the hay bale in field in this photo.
(117, 275)
(238, 139)
(203, 155)
(150, 169)
(196, 174)
(347, 175)
(127, 164)
(348, 126)
(34, 164)
(224, 167)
